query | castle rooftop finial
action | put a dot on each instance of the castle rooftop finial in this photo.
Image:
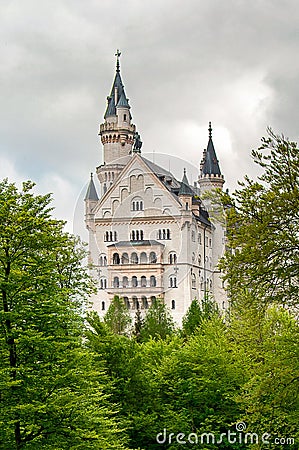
(117, 54)
(210, 130)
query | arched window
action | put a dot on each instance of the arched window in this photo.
(133, 236)
(193, 257)
(143, 258)
(199, 260)
(125, 258)
(103, 306)
(144, 302)
(172, 281)
(105, 260)
(116, 259)
(103, 283)
(159, 234)
(164, 234)
(134, 281)
(137, 204)
(201, 283)
(106, 178)
(127, 303)
(115, 236)
(134, 258)
(167, 234)
(101, 261)
(125, 282)
(193, 281)
(106, 236)
(153, 300)
(125, 117)
(111, 236)
(116, 282)
(172, 258)
(135, 303)
(143, 281)
(172, 304)
(152, 258)
(153, 282)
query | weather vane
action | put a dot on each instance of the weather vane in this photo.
(117, 54)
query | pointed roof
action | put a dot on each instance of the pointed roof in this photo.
(118, 86)
(185, 188)
(210, 164)
(91, 193)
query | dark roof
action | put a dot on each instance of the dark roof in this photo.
(121, 96)
(210, 162)
(163, 174)
(135, 243)
(91, 193)
(185, 188)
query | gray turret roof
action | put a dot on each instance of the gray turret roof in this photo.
(91, 193)
(121, 96)
(185, 188)
(210, 164)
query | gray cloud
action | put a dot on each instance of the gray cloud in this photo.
(183, 64)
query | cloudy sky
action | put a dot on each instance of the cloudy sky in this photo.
(183, 63)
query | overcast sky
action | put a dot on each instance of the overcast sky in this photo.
(183, 63)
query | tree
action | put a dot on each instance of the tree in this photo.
(196, 313)
(158, 322)
(263, 227)
(118, 317)
(50, 395)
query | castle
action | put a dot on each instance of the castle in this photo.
(150, 235)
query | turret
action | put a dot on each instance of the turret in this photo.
(91, 200)
(210, 174)
(185, 194)
(117, 131)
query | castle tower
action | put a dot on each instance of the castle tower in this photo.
(211, 178)
(117, 132)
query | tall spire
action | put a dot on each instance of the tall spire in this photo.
(91, 193)
(185, 188)
(210, 164)
(117, 54)
(117, 95)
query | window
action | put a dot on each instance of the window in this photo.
(137, 235)
(134, 258)
(193, 257)
(172, 258)
(144, 302)
(163, 234)
(125, 282)
(137, 204)
(199, 260)
(211, 284)
(143, 281)
(199, 238)
(116, 258)
(153, 282)
(193, 281)
(172, 304)
(103, 306)
(153, 300)
(135, 303)
(125, 258)
(201, 284)
(126, 302)
(172, 281)
(125, 117)
(152, 258)
(134, 281)
(116, 282)
(103, 260)
(143, 258)
(110, 236)
(210, 242)
(103, 283)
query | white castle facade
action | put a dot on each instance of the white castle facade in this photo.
(150, 235)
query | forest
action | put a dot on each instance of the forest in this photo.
(71, 380)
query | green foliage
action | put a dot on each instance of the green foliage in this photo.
(118, 317)
(197, 313)
(263, 225)
(158, 322)
(50, 395)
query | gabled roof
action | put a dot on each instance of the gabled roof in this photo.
(91, 193)
(210, 163)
